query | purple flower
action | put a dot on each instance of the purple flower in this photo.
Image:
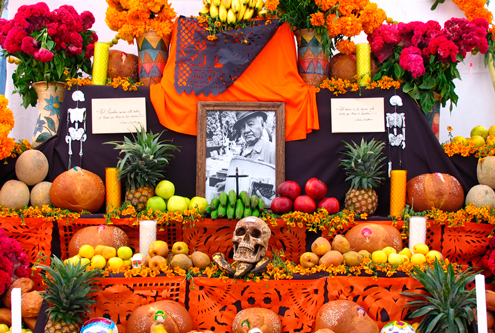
(412, 60)
(43, 55)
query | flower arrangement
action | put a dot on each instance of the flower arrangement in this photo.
(6, 125)
(132, 18)
(335, 20)
(47, 44)
(424, 56)
(14, 261)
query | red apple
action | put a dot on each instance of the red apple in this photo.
(289, 189)
(315, 188)
(281, 205)
(330, 204)
(305, 204)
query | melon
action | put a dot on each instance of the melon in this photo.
(98, 235)
(486, 171)
(40, 194)
(31, 167)
(14, 194)
(481, 195)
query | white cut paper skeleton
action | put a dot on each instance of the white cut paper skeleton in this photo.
(75, 116)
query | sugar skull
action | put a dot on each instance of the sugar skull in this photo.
(397, 327)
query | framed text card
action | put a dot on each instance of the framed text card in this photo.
(118, 115)
(358, 115)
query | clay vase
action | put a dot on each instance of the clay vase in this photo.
(50, 97)
(152, 57)
(312, 62)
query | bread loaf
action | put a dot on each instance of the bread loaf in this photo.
(345, 316)
(31, 304)
(264, 319)
(343, 66)
(434, 190)
(373, 237)
(25, 284)
(177, 319)
(30, 322)
(98, 235)
(122, 64)
(77, 190)
(5, 316)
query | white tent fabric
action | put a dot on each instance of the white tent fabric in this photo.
(476, 92)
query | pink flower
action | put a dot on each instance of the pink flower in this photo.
(14, 39)
(90, 50)
(411, 60)
(43, 55)
(67, 15)
(29, 45)
(4, 281)
(75, 44)
(446, 49)
(88, 20)
(32, 17)
(383, 40)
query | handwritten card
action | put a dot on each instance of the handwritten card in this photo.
(118, 115)
(358, 115)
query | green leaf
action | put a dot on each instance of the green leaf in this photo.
(43, 136)
(50, 123)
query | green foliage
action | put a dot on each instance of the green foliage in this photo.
(449, 305)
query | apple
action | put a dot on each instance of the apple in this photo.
(124, 252)
(180, 247)
(115, 263)
(281, 205)
(330, 204)
(155, 262)
(98, 261)
(156, 203)
(158, 248)
(315, 188)
(309, 259)
(396, 259)
(199, 203)
(305, 204)
(177, 203)
(289, 189)
(165, 189)
(109, 252)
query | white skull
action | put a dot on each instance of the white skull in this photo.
(250, 239)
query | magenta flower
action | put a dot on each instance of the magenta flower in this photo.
(88, 20)
(412, 60)
(14, 39)
(75, 44)
(29, 45)
(32, 17)
(43, 55)
(383, 40)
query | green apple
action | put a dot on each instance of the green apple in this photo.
(115, 263)
(199, 203)
(156, 203)
(177, 204)
(165, 189)
(395, 259)
(124, 252)
(187, 200)
(180, 247)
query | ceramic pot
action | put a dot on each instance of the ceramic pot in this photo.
(312, 62)
(153, 55)
(50, 97)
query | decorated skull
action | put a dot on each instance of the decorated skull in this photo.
(250, 239)
(397, 327)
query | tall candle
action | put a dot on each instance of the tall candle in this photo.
(417, 231)
(479, 280)
(398, 181)
(15, 306)
(147, 235)
(113, 192)
(100, 63)
(363, 63)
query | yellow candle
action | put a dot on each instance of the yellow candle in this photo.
(100, 63)
(398, 181)
(363, 63)
(113, 189)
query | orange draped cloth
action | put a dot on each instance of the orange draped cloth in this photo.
(271, 77)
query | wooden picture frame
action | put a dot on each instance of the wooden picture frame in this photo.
(223, 146)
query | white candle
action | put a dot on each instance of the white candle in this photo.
(147, 235)
(417, 231)
(16, 310)
(481, 303)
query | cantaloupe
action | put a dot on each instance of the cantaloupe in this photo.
(40, 194)
(486, 171)
(31, 167)
(14, 194)
(481, 195)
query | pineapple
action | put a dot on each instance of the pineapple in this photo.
(66, 290)
(144, 162)
(363, 170)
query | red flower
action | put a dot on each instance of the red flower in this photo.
(29, 45)
(4, 281)
(90, 51)
(32, 17)
(43, 55)
(412, 60)
(88, 20)
(67, 15)
(14, 39)
(383, 40)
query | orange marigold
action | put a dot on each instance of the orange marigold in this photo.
(317, 19)
(346, 46)
(271, 5)
(325, 4)
(333, 25)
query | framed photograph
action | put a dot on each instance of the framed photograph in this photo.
(241, 146)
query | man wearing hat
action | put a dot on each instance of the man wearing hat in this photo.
(251, 126)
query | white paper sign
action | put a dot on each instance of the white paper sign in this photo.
(358, 115)
(118, 115)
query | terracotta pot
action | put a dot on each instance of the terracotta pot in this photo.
(153, 55)
(50, 97)
(312, 62)
(433, 118)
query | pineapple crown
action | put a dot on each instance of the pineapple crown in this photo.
(145, 158)
(66, 289)
(363, 164)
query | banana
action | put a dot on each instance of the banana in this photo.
(259, 5)
(205, 10)
(216, 3)
(222, 13)
(254, 201)
(222, 211)
(252, 3)
(245, 198)
(230, 212)
(208, 210)
(240, 15)
(214, 203)
(223, 198)
(262, 13)
(255, 212)
(213, 12)
(231, 19)
(222, 263)
(261, 265)
(232, 198)
(206, 2)
(245, 2)
(242, 269)
(247, 212)
(239, 209)
(235, 6)
(248, 14)
(227, 4)
(214, 214)
(261, 205)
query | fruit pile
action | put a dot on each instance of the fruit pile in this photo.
(480, 136)
(102, 256)
(166, 200)
(231, 206)
(290, 198)
(7, 329)
(159, 254)
(233, 12)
